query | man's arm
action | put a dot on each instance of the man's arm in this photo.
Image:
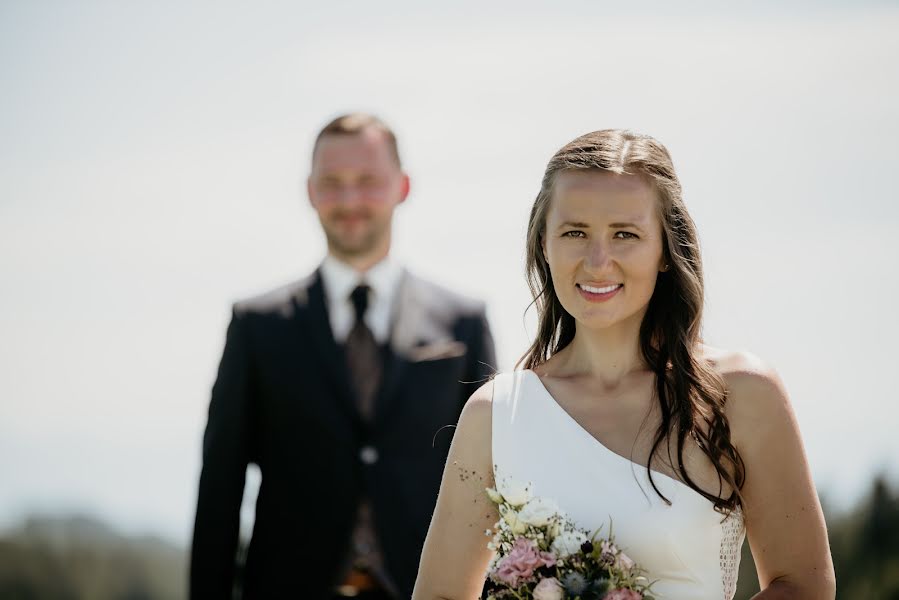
(225, 458)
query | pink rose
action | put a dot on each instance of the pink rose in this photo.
(623, 594)
(549, 589)
(520, 563)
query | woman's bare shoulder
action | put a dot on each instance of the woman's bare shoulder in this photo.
(755, 391)
(483, 395)
(476, 418)
(480, 403)
(738, 367)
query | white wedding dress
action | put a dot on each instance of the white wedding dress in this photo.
(687, 546)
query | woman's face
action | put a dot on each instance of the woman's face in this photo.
(603, 243)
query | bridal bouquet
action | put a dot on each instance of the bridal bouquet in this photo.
(542, 555)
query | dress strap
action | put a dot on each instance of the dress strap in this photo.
(506, 393)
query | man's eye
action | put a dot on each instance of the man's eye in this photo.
(626, 235)
(574, 234)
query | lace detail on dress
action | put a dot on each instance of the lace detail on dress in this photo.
(732, 534)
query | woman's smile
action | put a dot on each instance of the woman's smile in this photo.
(599, 293)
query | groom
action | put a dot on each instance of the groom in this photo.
(336, 386)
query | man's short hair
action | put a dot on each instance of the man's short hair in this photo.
(356, 123)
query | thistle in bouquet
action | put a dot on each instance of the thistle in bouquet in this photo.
(540, 554)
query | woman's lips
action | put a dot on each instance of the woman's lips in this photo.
(599, 293)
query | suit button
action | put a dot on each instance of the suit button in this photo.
(368, 455)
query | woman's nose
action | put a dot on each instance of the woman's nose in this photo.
(597, 256)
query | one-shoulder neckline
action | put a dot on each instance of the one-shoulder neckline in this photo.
(585, 432)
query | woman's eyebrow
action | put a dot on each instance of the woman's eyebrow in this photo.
(576, 224)
(625, 225)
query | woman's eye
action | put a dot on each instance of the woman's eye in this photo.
(625, 235)
(574, 234)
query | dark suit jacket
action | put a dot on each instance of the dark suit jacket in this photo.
(283, 400)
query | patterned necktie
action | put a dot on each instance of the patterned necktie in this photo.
(363, 356)
(365, 364)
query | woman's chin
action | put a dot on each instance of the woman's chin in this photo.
(591, 321)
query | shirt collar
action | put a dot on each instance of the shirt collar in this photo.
(340, 279)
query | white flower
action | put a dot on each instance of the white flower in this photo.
(515, 523)
(625, 562)
(515, 493)
(539, 512)
(494, 496)
(567, 543)
(555, 528)
(608, 552)
(549, 589)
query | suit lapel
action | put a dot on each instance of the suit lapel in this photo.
(412, 325)
(331, 356)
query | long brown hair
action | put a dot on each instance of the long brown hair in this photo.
(690, 394)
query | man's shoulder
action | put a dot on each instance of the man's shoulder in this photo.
(439, 296)
(282, 300)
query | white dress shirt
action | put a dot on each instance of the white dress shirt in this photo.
(340, 279)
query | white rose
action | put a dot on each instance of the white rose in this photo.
(549, 589)
(568, 543)
(539, 512)
(515, 493)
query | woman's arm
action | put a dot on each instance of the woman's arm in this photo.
(455, 555)
(784, 521)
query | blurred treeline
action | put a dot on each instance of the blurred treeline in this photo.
(78, 558)
(865, 547)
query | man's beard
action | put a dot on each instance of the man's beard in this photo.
(359, 246)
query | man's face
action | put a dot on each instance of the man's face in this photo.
(354, 186)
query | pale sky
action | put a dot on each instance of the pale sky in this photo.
(151, 168)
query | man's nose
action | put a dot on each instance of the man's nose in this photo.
(349, 194)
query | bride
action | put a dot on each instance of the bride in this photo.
(622, 415)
